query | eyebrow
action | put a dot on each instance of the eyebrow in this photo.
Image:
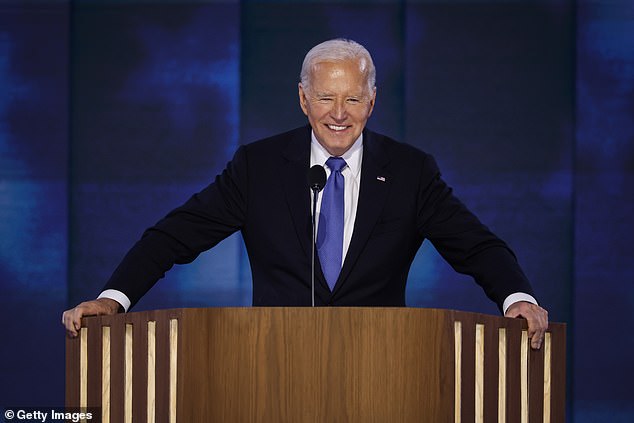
(325, 94)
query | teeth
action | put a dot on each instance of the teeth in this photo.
(337, 128)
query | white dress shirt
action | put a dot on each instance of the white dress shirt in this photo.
(352, 181)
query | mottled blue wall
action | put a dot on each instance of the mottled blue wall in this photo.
(33, 200)
(113, 112)
(604, 208)
(155, 116)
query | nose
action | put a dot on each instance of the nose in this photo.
(339, 111)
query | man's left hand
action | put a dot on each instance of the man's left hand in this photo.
(536, 317)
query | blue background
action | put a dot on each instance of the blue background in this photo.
(114, 112)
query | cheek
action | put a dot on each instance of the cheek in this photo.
(361, 116)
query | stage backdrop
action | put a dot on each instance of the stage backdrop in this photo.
(114, 112)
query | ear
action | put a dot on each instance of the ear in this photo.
(303, 101)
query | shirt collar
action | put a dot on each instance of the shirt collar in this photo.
(319, 155)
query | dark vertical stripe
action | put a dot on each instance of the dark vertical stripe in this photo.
(139, 368)
(94, 362)
(162, 367)
(513, 372)
(468, 368)
(536, 385)
(490, 370)
(117, 368)
(72, 372)
(558, 384)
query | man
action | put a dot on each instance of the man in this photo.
(381, 200)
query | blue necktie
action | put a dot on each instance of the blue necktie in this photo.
(330, 232)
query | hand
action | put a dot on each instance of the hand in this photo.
(536, 317)
(71, 319)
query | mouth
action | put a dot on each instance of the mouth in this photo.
(337, 128)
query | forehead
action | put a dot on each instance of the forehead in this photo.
(345, 74)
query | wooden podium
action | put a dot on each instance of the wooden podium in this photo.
(315, 365)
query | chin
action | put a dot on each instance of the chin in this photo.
(338, 149)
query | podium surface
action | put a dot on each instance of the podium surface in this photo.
(297, 364)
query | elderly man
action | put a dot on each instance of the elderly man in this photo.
(382, 199)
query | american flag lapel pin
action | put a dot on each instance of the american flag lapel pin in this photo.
(380, 178)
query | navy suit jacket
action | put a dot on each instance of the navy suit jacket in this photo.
(264, 193)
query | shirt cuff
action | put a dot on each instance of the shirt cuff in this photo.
(118, 296)
(517, 297)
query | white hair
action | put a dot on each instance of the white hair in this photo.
(338, 50)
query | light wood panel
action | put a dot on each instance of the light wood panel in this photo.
(479, 373)
(105, 375)
(502, 376)
(458, 371)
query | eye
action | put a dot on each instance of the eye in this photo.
(324, 99)
(353, 100)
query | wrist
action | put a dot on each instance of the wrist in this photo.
(112, 305)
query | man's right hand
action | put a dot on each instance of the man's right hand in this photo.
(71, 319)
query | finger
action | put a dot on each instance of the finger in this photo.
(533, 329)
(70, 328)
(65, 320)
(536, 341)
(537, 331)
(72, 321)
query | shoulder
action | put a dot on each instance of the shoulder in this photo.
(279, 142)
(398, 153)
(274, 150)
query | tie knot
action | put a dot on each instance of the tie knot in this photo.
(336, 164)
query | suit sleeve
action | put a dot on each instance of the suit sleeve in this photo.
(467, 245)
(203, 221)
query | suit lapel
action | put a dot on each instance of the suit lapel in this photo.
(375, 184)
(294, 175)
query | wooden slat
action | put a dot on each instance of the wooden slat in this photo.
(457, 371)
(105, 374)
(83, 367)
(129, 380)
(173, 369)
(524, 379)
(547, 375)
(479, 374)
(151, 372)
(502, 376)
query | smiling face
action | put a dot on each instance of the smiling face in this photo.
(337, 103)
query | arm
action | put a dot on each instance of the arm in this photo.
(470, 248)
(203, 221)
